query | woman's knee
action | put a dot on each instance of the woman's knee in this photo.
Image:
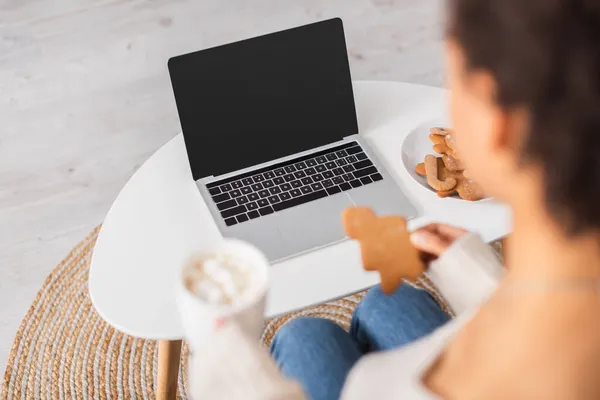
(385, 321)
(376, 302)
(299, 333)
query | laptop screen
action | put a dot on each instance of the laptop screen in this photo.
(263, 98)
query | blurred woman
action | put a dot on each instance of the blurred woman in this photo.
(524, 79)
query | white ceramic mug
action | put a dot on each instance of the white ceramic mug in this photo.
(201, 320)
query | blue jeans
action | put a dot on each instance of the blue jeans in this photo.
(319, 354)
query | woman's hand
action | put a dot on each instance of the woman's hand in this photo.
(433, 239)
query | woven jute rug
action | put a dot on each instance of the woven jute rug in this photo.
(64, 350)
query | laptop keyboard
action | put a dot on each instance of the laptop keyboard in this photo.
(292, 183)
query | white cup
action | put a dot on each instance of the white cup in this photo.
(201, 319)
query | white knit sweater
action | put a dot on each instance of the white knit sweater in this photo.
(232, 367)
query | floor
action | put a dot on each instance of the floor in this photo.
(85, 98)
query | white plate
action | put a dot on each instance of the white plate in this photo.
(416, 146)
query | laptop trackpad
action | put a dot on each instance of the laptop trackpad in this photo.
(312, 225)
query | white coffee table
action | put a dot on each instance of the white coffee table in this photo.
(159, 218)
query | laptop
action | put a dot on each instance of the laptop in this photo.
(271, 134)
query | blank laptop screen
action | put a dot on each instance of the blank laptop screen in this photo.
(253, 101)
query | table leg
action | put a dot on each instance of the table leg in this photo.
(504, 242)
(169, 354)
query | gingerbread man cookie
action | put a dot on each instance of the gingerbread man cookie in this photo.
(385, 246)
(452, 163)
(469, 190)
(437, 139)
(437, 177)
(439, 144)
(440, 131)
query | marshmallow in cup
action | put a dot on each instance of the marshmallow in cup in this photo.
(230, 287)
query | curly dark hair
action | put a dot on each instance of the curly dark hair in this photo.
(545, 58)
